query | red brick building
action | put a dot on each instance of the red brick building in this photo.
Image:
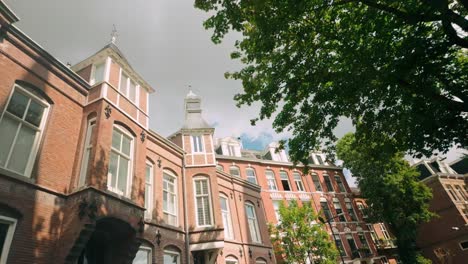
(445, 238)
(84, 180)
(325, 188)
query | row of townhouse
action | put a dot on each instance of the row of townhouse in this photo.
(83, 179)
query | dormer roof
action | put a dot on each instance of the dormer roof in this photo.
(111, 50)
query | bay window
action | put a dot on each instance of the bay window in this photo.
(120, 164)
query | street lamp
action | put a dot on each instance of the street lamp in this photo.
(333, 233)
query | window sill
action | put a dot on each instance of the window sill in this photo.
(17, 176)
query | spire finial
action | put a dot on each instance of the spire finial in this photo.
(114, 34)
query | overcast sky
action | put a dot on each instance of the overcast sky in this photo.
(166, 43)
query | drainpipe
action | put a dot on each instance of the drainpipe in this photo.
(186, 226)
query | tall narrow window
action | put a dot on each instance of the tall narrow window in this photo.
(328, 183)
(21, 126)
(120, 164)
(87, 151)
(197, 143)
(339, 211)
(385, 233)
(285, 181)
(149, 189)
(143, 256)
(452, 193)
(362, 239)
(298, 181)
(232, 150)
(252, 222)
(340, 184)
(319, 159)
(326, 211)
(226, 215)
(349, 208)
(128, 87)
(251, 175)
(7, 229)
(234, 171)
(315, 179)
(170, 198)
(123, 84)
(270, 176)
(339, 244)
(202, 201)
(352, 246)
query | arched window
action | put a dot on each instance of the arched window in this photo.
(7, 229)
(202, 201)
(149, 187)
(234, 171)
(328, 183)
(169, 198)
(260, 261)
(253, 223)
(340, 184)
(143, 256)
(339, 210)
(226, 215)
(231, 260)
(251, 177)
(87, 151)
(315, 179)
(121, 160)
(350, 209)
(219, 167)
(285, 181)
(270, 176)
(298, 181)
(21, 126)
(171, 256)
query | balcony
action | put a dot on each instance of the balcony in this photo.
(386, 243)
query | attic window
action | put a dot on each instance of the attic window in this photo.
(319, 159)
(193, 105)
(97, 75)
(128, 87)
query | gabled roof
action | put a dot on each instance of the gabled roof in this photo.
(112, 50)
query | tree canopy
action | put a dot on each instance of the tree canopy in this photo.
(300, 235)
(397, 69)
(392, 189)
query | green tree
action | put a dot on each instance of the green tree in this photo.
(394, 194)
(299, 234)
(398, 68)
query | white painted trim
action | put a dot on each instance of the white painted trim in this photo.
(107, 69)
(122, 111)
(9, 237)
(150, 257)
(210, 203)
(176, 192)
(207, 245)
(131, 161)
(149, 209)
(86, 144)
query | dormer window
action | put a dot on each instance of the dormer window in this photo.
(319, 159)
(97, 74)
(128, 87)
(197, 143)
(232, 150)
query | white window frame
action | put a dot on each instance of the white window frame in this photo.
(219, 167)
(318, 181)
(461, 191)
(8, 238)
(197, 142)
(127, 88)
(298, 180)
(276, 208)
(150, 255)
(451, 190)
(340, 183)
(87, 149)
(231, 260)
(231, 150)
(384, 231)
(254, 177)
(284, 173)
(227, 221)
(203, 195)
(374, 236)
(150, 196)
(125, 132)
(92, 80)
(325, 176)
(254, 230)
(271, 180)
(260, 262)
(39, 130)
(172, 195)
(173, 254)
(460, 244)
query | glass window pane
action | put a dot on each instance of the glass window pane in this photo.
(34, 115)
(142, 257)
(223, 202)
(22, 149)
(99, 73)
(132, 91)
(18, 104)
(123, 174)
(123, 83)
(8, 128)
(126, 145)
(113, 168)
(116, 137)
